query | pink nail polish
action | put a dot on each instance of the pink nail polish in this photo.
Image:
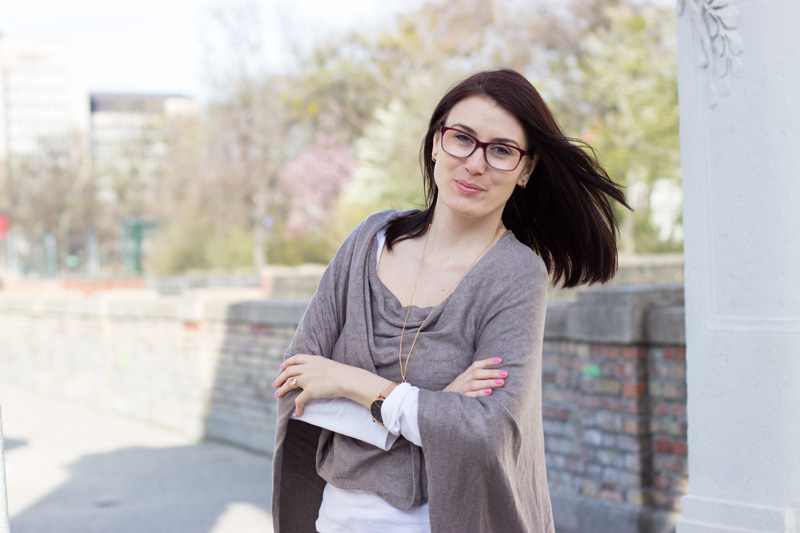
(276, 394)
(487, 391)
(274, 383)
(499, 381)
(503, 373)
(497, 359)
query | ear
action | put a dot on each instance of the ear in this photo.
(436, 138)
(525, 175)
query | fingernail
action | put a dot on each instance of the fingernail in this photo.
(276, 394)
(499, 381)
(497, 359)
(487, 391)
(274, 383)
(503, 373)
(281, 366)
(295, 413)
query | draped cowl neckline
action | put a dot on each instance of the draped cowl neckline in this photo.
(393, 311)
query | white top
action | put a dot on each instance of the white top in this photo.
(356, 511)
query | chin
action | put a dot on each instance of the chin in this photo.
(467, 208)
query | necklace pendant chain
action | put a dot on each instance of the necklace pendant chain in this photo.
(404, 368)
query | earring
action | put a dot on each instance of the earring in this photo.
(433, 158)
(523, 185)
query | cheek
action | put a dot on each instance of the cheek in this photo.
(437, 171)
(441, 171)
(506, 188)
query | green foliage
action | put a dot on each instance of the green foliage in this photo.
(623, 100)
(314, 247)
(388, 175)
(198, 245)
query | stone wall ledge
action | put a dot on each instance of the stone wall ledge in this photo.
(263, 313)
(70, 303)
(613, 315)
(666, 325)
(616, 315)
(194, 306)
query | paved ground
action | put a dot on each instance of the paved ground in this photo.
(72, 469)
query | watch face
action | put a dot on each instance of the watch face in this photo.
(375, 409)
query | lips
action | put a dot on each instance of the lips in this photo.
(468, 188)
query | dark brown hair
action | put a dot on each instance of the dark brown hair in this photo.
(564, 214)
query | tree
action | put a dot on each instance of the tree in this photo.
(618, 90)
(50, 194)
(313, 181)
(251, 130)
(388, 175)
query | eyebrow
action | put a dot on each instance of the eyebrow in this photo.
(500, 140)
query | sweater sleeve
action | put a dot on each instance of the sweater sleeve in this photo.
(324, 318)
(495, 440)
(298, 488)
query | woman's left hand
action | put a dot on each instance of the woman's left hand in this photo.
(479, 379)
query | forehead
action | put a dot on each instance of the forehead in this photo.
(486, 118)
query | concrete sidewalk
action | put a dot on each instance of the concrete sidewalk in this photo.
(71, 469)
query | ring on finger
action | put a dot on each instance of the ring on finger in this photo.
(293, 382)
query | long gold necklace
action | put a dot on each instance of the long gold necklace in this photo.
(403, 368)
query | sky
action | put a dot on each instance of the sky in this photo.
(157, 45)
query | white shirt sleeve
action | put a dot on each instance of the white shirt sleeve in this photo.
(344, 416)
(347, 417)
(399, 412)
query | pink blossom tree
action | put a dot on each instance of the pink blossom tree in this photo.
(313, 181)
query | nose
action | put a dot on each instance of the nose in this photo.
(476, 163)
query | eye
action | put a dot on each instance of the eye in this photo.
(463, 138)
(499, 150)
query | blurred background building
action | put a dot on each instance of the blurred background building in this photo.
(129, 144)
(119, 121)
(79, 171)
(42, 98)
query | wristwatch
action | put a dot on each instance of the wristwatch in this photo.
(377, 403)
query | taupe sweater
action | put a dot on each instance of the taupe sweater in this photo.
(481, 466)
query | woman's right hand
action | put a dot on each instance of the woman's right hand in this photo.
(479, 379)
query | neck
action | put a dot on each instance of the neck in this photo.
(451, 232)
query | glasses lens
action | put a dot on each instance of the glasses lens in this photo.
(502, 157)
(457, 143)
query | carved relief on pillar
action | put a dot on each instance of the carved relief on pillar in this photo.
(717, 22)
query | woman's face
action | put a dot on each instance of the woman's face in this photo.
(469, 187)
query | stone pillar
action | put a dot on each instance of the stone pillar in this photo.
(3, 496)
(739, 88)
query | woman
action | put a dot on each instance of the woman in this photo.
(431, 323)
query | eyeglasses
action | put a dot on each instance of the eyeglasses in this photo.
(500, 156)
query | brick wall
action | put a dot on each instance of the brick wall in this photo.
(613, 382)
(614, 406)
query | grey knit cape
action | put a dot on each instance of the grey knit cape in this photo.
(481, 466)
